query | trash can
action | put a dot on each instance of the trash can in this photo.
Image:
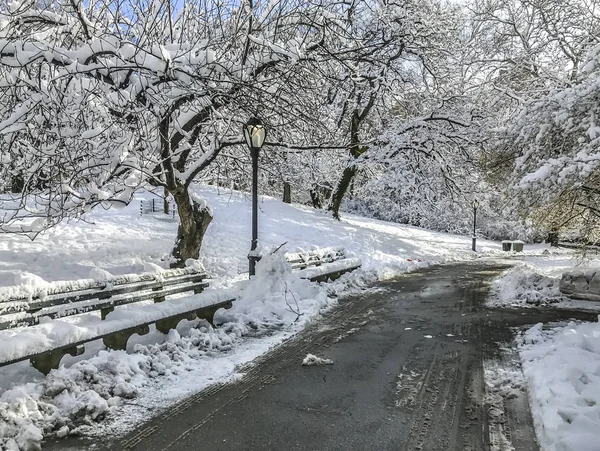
(506, 245)
(517, 246)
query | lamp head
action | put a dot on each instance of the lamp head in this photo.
(254, 133)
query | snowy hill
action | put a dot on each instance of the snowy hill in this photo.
(120, 241)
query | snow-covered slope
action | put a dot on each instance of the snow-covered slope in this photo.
(121, 241)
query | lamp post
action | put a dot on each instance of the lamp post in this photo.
(255, 134)
(475, 205)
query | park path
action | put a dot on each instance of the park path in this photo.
(407, 375)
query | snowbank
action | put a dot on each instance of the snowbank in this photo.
(562, 368)
(522, 285)
(536, 280)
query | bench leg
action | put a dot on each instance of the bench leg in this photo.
(208, 313)
(335, 275)
(105, 311)
(118, 340)
(165, 325)
(158, 299)
(51, 360)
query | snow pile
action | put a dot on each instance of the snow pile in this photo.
(536, 281)
(312, 359)
(89, 391)
(562, 368)
(523, 285)
(276, 295)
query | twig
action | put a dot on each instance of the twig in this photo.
(296, 311)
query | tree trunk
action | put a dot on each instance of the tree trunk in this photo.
(194, 220)
(355, 151)
(287, 193)
(166, 201)
(17, 184)
(340, 191)
(315, 198)
(350, 171)
(553, 238)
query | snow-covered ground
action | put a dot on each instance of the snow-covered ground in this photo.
(562, 368)
(121, 241)
(561, 363)
(103, 390)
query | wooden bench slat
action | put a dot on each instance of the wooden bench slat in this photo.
(74, 309)
(66, 287)
(84, 295)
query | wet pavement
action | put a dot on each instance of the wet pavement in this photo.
(407, 375)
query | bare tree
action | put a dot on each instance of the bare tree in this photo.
(102, 101)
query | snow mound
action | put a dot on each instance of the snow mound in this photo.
(312, 359)
(562, 368)
(523, 285)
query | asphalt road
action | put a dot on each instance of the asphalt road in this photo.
(407, 375)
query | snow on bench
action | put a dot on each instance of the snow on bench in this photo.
(45, 344)
(25, 306)
(583, 285)
(300, 260)
(323, 264)
(325, 271)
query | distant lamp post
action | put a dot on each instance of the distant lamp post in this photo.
(475, 205)
(255, 134)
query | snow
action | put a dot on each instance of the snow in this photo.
(562, 368)
(71, 250)
(338, 265)
(502, 381)
(89, 390)
(19, 343)
(560, 363)
(535, 280)
(89, 393)
(312, 359)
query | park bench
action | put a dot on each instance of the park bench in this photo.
(153, 205)
(62, 299)
(44, 340)
(323, 264)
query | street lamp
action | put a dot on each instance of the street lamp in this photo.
(255, 134)
(475, 205)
